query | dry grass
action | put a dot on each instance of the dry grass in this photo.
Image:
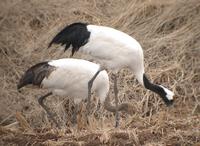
(169, 33)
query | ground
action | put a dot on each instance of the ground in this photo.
(169, 33)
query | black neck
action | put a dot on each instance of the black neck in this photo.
(157, 89)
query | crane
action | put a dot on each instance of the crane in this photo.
(111, 48)
(67, 77)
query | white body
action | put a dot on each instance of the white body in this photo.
(115, 50)
(71, 77)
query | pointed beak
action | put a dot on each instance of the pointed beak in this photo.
(169, 103)
(18, 88)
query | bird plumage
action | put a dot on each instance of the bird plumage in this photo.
(35, 74)
(113, 49)
(103, 43)
(77, 36)
(67, 77)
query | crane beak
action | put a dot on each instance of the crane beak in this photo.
(18, 88)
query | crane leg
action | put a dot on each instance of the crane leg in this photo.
(74, 115)
(116, 101)
(90, 83)
(50, 115)
(100, 109)
(98, 106)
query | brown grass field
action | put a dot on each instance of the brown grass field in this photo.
(169, 32)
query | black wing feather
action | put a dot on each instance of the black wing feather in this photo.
(75, 34)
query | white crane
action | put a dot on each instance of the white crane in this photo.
(113, 49)
(67, 77)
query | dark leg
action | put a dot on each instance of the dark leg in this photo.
(50, 115)
(98, 106)
(74, 115)
(97, 111)
(90, 83)
(116, 101)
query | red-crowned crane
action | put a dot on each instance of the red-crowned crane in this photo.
(113, 49)
(66, 77)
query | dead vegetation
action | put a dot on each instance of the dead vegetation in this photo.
(169, 32)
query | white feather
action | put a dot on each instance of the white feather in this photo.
(71, 77)
(169, 94)
(114, 50)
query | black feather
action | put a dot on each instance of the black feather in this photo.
(157, 89)
(75, 34)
